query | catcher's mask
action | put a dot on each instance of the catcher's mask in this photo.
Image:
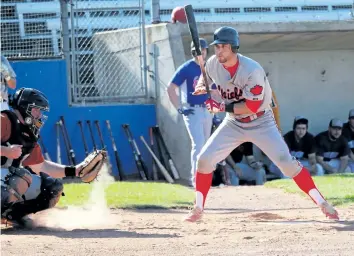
(33, 105)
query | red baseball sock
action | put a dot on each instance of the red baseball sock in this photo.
(306, 184)
(202, 186)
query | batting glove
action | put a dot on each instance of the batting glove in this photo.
(186, 111)
(214, 106)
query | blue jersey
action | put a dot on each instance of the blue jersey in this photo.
(186, 76)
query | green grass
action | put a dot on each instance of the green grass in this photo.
(337, 189)
(130, 195)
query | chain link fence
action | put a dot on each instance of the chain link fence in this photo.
(24, 30)
(106, 52)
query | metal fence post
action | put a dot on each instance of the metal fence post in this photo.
(73, 53)
(65, 38)
(155, 11)
(143, 45)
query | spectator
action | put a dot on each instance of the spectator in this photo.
(251, 171)
(348, 133)
(302, 146)
(8, 80)
(333, 149)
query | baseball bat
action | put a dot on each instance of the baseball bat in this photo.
(103, 146)
(159, 164)
(58, 143)
(192, 25)
(154, 168)
(118, 162)
(83, 138)
(91, 134)
(65, 142)
(71, 150)
(46, 154)
(169, 158)
(137, 156)
(159, 149)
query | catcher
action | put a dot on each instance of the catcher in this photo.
(29, 183)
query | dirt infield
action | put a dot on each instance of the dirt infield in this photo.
(238, 221)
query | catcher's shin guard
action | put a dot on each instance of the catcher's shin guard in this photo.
(51, 190)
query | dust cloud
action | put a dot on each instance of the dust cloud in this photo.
(95, 214)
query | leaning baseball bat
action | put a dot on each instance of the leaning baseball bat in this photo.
(154, 167)
(159, 164)
(137, 156)
(83, 138)
(170, 161)
(192, 25)
(46, 154)
(118, 162)
(65, 142)
(71, 150)
(103, 146)
(91, 134)
(58, 143)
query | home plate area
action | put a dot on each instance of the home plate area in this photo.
(243, 220)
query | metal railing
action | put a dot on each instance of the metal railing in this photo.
(24, 34)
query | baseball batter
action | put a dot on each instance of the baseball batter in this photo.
(244, 93)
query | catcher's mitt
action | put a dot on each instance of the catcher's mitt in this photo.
(92, 165)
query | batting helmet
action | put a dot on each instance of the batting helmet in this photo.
(226, 35)
(203, 45)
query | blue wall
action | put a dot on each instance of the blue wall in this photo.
(49, 77)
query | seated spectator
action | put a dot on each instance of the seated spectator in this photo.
(348, 133)
(251, 171)
(333, 149)
(302, 146)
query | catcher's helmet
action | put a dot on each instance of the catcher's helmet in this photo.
(26, 99)
(203, 45)
(226, 35)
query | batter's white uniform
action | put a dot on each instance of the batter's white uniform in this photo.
(250, 82)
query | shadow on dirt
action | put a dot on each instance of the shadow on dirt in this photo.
(337, 225)
(346, 226)
(245, 210)
(83, 233)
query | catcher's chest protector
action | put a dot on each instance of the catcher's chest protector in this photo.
(20, 135)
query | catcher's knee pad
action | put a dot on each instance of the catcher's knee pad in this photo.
(50, 190)
(14, 184)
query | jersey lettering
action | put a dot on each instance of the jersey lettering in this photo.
(236, 93)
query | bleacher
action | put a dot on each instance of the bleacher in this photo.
(32, 28)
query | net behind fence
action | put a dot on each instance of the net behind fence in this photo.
(106, 51)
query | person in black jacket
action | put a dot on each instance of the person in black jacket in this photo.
(332, 148)
(302, 146)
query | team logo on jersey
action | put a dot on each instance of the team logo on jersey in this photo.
(256, 90)
(229, 94)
